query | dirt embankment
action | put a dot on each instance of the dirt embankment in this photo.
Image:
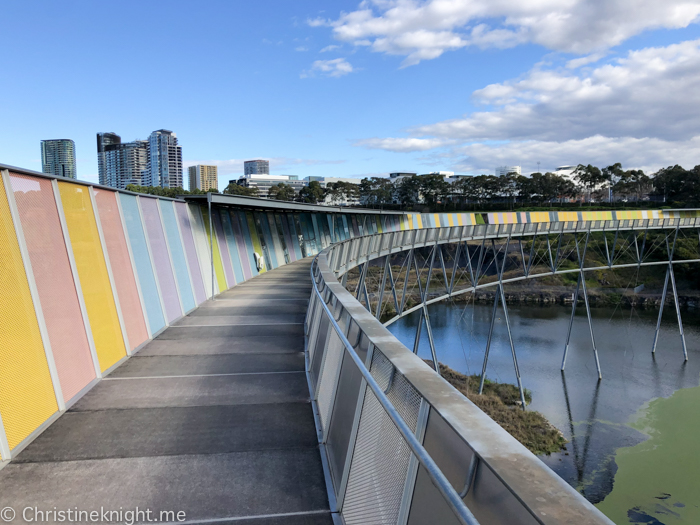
(501, 402)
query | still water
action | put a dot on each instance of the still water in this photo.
(634, 437)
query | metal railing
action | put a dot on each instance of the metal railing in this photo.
(401, 444)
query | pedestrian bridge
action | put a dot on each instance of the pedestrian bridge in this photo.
(201, 361)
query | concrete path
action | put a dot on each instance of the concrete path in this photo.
(212, 419)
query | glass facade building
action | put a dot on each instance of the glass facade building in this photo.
(164, 160)
(58, 157)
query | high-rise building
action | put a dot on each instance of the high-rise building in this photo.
(58, 157)
(124, 163)
(505, 170)
(203, 177)
(256, 167)
(164, 160)
(104, 140)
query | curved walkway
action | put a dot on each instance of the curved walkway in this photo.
(212, 418)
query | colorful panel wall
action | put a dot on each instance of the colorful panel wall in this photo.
(161, 258)
(93, 274)
(27, 397)
(60, 305)
(142, 262)
(193, 265)
(122, 269)
(177, 254)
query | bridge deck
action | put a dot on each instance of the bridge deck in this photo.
(211, 418)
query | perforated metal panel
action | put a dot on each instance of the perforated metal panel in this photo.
(191, 252)
(213, 245)
(223, 245)
(54, 281)
(380, 458)
(242, 244)
(329, 375)
(26, 393)
(92, 270)
(124, 278)
(177, 254)
(142, 261)
(232, 245)
(161, 258)
(201, 241)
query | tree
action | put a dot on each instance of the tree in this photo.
(342, 191)
(677, 184)
(281, 192)
(237, 189)
(376, 191)
(408, 190)
(590, 177)
(157, 190)
(313, 193)
(633, 184)
(434, 189)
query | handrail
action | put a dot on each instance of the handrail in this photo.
(437, 477)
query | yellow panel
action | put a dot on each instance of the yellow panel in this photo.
(419, 221)
(460, 219)
(436, 218)
(92, 271)
(27, 397)
(218, 265)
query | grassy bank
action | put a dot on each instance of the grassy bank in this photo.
(501, 402)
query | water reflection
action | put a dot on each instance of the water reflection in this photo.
(592, 415)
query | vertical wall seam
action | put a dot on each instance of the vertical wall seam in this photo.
(153, 264)
(184, 252)
(76, 278)
(34, 292)
(170, 257)
(133, 265)
(108, 264)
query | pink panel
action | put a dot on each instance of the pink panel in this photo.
(190, 250)
(54, 282)
(123, 273)
(161, 258)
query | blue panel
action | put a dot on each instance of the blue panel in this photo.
(295, 235)
(177, 254)
(144, 270)
(345, 226)
(317, 234)
(243, 220)
(268, 238)
(232, 246)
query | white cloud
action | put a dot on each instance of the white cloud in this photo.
(648, 154)
(401, 145)
(424, 29)
(301, 48)
(336, 67)
(332, 47)
(641, 109)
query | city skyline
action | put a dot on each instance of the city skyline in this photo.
(368, 89)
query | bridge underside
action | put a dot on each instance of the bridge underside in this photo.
(211, 418)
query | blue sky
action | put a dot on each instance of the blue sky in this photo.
(355, 89)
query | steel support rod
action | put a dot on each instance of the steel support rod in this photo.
(590, 327)
(416, 341)
(571, 323)
(392, 283)
(436, 365)
(512, 346)
(678, 312)
(488, 342)
(405, 281)
(381, 289)
(661, 309)
(444, 270)
(455, 266)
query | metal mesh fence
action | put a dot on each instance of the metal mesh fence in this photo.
(381, 456)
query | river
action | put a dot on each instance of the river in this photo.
(633, 437)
